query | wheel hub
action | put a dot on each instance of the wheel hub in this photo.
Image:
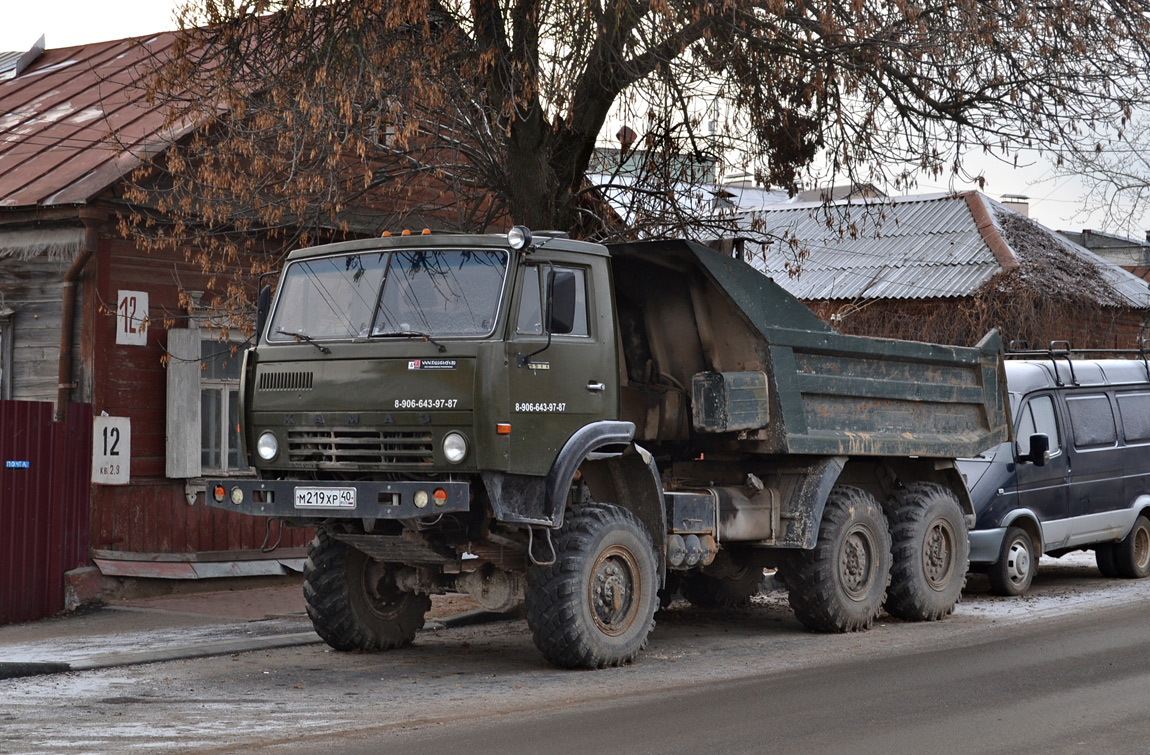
(938, 554)
(857, 563)
(1141, 547)
(1017, 563)
(615, 585)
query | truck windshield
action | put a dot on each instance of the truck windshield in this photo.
(441, 293)
(432, 292)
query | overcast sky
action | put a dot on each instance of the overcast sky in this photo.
(1054, 203)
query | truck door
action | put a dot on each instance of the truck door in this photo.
(558, 387)
(1043, 489)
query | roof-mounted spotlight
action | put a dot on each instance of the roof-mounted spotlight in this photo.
(519, 237)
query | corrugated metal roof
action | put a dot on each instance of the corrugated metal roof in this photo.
(924, 247)
(8, 61)
(76, 121)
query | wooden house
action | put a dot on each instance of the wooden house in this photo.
(87, 316)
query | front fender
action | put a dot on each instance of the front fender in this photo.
(605, 439)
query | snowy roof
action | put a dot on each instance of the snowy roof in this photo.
(918, 247)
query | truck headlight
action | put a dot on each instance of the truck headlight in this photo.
(454, 447)
(267, 446)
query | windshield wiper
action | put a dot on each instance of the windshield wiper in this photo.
(414, 334)
(305, 337)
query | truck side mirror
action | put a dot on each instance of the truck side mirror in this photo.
(263, 304)
(1039, 450)
(560, 301)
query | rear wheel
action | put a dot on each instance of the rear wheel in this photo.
(840, 585)
(1104, 557)
(1016, 565)
(931, 553)
(594, 606)
(1132, 553)
(353, 601)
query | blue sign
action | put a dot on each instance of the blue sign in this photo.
(19, 465)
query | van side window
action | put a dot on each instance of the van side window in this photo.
(1135, 411)
(1038, 417)
(1092, 420)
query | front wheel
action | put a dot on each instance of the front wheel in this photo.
(595, 605)
(353, 601)
(1014, 571)
(840, 585)
(1132, 553)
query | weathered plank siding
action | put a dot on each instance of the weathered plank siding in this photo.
(32, 287)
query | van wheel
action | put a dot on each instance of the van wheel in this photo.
(595, 605)
(1014, 571)
(353, 601)
(840, 585)
(1104, 557)
(1132, 553)
(931, 553)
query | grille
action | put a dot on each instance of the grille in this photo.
(344, 446)
(285, 381)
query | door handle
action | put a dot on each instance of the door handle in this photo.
(595, 387)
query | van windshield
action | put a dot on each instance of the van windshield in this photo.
(433, 292)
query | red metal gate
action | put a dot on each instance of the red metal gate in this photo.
(45, 469)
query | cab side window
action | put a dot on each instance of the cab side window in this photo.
(532, 307)
(1038, 417)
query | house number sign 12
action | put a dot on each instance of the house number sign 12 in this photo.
(111, 450)
(131, 318)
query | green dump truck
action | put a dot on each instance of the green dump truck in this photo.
(586, 429)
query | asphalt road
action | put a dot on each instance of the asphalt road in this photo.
(1078, 685)
(1063, 670)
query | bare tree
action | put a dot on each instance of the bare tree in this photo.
(458, 114)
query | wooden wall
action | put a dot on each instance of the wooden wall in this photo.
(32, 287)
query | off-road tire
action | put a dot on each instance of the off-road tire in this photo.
(1017, 564)
(840, 585)
(1104, 557)
(352, 599)
(594, 606)
(1132, 553)
(705, 591)
(931, 551)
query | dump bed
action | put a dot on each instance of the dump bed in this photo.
(706, 338)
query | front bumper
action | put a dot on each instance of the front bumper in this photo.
(310, 499)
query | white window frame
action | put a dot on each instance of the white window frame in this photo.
(186, 385)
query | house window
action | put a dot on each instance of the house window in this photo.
(219, 406)
(203, 402)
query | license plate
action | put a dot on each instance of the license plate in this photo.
(325, 498)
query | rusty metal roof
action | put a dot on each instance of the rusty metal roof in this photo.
(75, 121)
(919, 247)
